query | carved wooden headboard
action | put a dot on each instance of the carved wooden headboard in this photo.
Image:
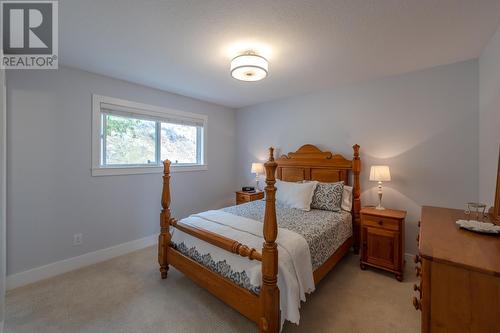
(310, 163)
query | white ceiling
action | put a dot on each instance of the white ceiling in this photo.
(186, 46)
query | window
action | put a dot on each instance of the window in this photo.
(132, 138)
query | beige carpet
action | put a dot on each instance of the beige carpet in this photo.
(126, 294)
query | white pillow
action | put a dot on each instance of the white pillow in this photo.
(347, 198)
(295, 195)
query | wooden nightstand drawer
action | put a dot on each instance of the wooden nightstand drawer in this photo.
(244, 197)
(381, 222)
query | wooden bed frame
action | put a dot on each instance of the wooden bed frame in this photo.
(307, 163)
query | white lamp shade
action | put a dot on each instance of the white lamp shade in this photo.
(249, 67)
(257, 168)
(380, 173)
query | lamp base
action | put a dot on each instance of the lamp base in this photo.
(379, 206)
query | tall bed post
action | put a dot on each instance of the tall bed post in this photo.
(356, 204)
(270, 294)
(164, 237)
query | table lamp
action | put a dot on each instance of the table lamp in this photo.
(380, 173)
(257, 168)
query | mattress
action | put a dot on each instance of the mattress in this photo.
(324, 231)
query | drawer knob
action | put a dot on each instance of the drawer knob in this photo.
(416, 287)
(417, 259)
(418, 271)
(380, 222)
(416, 304)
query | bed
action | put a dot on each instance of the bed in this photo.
(218, 249)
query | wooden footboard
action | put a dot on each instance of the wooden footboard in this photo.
(263, 309)
(220, 241)
(238, 298)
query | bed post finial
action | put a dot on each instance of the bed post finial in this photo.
(356, 203)
(269, 294)
(271, 154)
(164, 237)
(355, 148)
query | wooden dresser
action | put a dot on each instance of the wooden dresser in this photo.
(459, 288)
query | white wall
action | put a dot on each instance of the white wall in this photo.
(51, 192)
(489, 118)
(424, 125)
(2, 196)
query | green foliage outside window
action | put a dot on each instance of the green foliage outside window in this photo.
(133, 141)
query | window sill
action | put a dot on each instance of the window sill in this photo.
(96, 172)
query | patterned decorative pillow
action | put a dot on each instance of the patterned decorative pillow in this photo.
(328, 196)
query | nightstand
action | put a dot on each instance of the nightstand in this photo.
(382, 240)
(243, 197)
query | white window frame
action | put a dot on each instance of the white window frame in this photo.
(144, 110)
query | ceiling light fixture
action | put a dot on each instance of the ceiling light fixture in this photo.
(249, 67)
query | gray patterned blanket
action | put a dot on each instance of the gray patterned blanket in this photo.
(324, 231)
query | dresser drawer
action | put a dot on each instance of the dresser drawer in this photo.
(381, 222)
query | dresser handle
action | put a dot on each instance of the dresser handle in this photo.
(380, 222)
(416, 304)
(417, 259)
(416, 287)
(418, 271)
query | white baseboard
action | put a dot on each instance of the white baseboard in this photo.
(409, 257)
(59, 267)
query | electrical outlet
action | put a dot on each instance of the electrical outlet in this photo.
(77, 239)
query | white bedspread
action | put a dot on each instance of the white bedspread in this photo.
(295, 275)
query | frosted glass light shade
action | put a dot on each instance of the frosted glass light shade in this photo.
(249, 67)
(380, 173)
(257, 168)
